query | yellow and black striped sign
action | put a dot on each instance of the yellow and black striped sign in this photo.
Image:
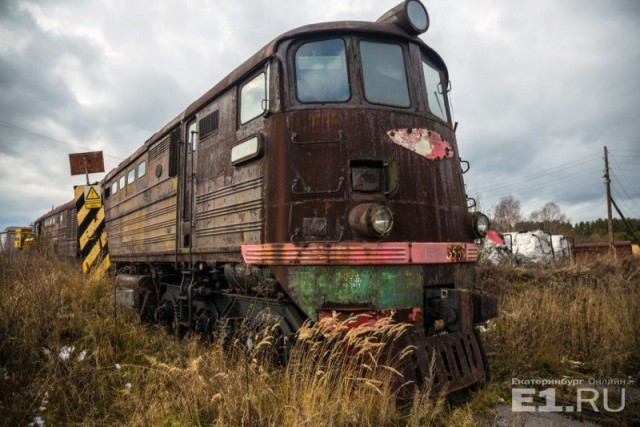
(92, 236)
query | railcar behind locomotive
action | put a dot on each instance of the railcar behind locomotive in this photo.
(319, 179)
(59, 229)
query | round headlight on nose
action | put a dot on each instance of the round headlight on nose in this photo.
(479, 224)
(381, 219)
(371, 220)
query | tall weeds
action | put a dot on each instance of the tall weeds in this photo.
(583, 316)
(67, 359)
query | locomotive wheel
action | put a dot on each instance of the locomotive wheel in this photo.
(269, 326)
(205, 324)
(167, 314)
(163, 314)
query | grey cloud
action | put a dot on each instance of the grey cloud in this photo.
(34, 92)
(536, 83)
(549, 79)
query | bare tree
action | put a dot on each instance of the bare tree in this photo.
(549, 216)
(506, 214)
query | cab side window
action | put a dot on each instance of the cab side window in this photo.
(252, 98)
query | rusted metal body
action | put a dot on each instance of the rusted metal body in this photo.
(360, 253)
(457, 358)
(141, 213)
(86, 163)
(623, 248)
(260, 198)
(59, 229)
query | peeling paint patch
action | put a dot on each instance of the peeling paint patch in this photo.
(424, 142)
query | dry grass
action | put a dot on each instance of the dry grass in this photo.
(121, 372)
(576, 321)
(550, 318)
(124, 373)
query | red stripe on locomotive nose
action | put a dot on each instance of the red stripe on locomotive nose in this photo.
(386, 253)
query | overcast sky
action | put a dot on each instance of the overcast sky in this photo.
(539, 87)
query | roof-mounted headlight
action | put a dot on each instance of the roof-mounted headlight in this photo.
(410, 15)
(479, 224)
(371, 220)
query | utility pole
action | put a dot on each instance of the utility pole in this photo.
(608, 185)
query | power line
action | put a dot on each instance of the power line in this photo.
(563, 178)
(551, 185)
(555, 182)
(625, 177)
(627, 154)
(562, 175)
(622, 201)
(624, 190)
(627, 166)
(630, 173)
(544, 172)
(47, 137)
(630, 163)
(567, 187)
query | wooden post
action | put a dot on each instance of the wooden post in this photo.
(609, 215)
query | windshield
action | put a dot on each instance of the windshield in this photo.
(384, 74)
(321, 72)
(435, 95)
(355, 70)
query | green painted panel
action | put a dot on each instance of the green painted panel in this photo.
(372, 287)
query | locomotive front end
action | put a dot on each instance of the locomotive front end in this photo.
(319, 180)
(366, 211)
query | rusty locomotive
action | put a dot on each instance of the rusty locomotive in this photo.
(319, 179)
(58, 229)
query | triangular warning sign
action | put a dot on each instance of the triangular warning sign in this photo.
(92, 194)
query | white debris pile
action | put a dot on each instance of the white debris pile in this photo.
(494, 250)
(524, 248)
(531, 247)
(561, 247)
(538, 247)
